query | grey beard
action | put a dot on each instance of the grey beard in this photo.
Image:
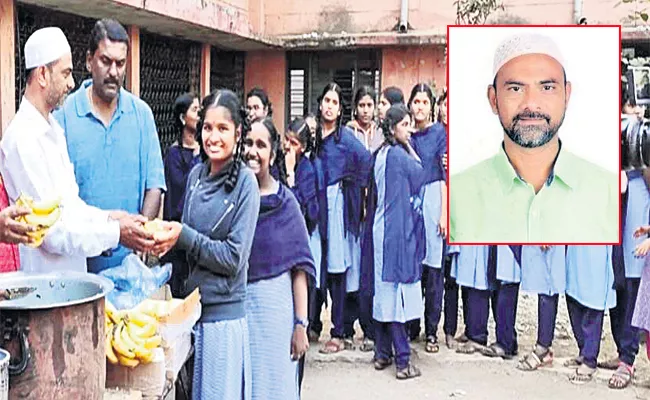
(532, 136)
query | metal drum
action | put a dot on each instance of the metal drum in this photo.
(56, 335)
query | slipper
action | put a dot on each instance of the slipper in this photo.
(583, 374)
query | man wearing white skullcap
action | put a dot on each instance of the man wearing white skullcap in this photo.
(533, 190)
(34, 161)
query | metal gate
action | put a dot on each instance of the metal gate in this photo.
(77, 29)
(227, 71)
(169, 67)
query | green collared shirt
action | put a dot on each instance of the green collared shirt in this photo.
(490, 203)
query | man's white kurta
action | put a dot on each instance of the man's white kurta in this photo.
(34, 160)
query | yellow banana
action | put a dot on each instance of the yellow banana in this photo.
(147, 358)
(118, 342)
(36, 243)
(128, 362)
(140, 351)
(110, 354)
(46, 207)
(43, 220)
(111, 311)
(153, 342)
(142, 332)
(141, 319)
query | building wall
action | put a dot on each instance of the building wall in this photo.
(406, 66)
(268, 70)
(298, 17)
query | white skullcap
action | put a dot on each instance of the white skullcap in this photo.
(522, 44)
(45, 46)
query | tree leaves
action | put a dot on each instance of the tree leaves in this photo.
(476, 12)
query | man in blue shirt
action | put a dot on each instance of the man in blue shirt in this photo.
(112, 139)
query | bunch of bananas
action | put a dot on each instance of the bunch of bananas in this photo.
(44, 214)
(130, 337)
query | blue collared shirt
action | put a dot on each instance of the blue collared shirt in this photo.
(114, 165)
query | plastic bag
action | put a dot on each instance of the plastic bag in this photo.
(134, 281)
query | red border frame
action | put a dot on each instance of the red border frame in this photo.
(449, 91)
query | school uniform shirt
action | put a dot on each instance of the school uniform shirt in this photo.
(470, 267)
(179, 161)
(430, 145)
(305, 191)
(34, 161)
(637, 214)
(114, 165)
(395, 235)
(590, 276)
(342, 171)
(579, 202)
(543, 272)
(9, 260)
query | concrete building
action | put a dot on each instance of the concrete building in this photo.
(292, 48)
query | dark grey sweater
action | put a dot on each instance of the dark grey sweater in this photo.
(217, 235)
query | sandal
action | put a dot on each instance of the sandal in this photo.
(367, 345)
(574, 362)
(469, 347)
(431, 345)
(536, 360)
(411, 371)
(450, 342)
(583, 374)
(313, 336)
(332, 346)
(495, 350)
(611, 364)
(622, 377)
(382, 363)
(348, 344)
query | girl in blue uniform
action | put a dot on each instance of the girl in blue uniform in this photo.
(392, 251)
(342, 168)
(627, 271)
(222, 203)
(491, 274)
(589, 292)
(279, 267)
(301, 178)
(430, 143)
(543, 271)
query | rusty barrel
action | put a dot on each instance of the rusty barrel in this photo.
(56, 336)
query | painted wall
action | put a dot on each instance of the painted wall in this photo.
(268, 69)
(406, 66)
(288, 17)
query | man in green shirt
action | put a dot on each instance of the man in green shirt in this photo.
(532, 190)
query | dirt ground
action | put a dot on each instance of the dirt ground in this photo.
(350, 375)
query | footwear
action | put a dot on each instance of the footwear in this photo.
(332, 346)
(382, 363)
(367, 345)
(574, 362)
(536, 359)
(313, 336)
(451, 342)
(411, 371)
(610, 364)
(622, 377)
(583, 374)
(431, 346)
(469, 347)
(495, 350)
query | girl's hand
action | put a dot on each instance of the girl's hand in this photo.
(642, 249)
(167, 238)
(299, 342)
(545, 247)
(642, 230)
(442, 226)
